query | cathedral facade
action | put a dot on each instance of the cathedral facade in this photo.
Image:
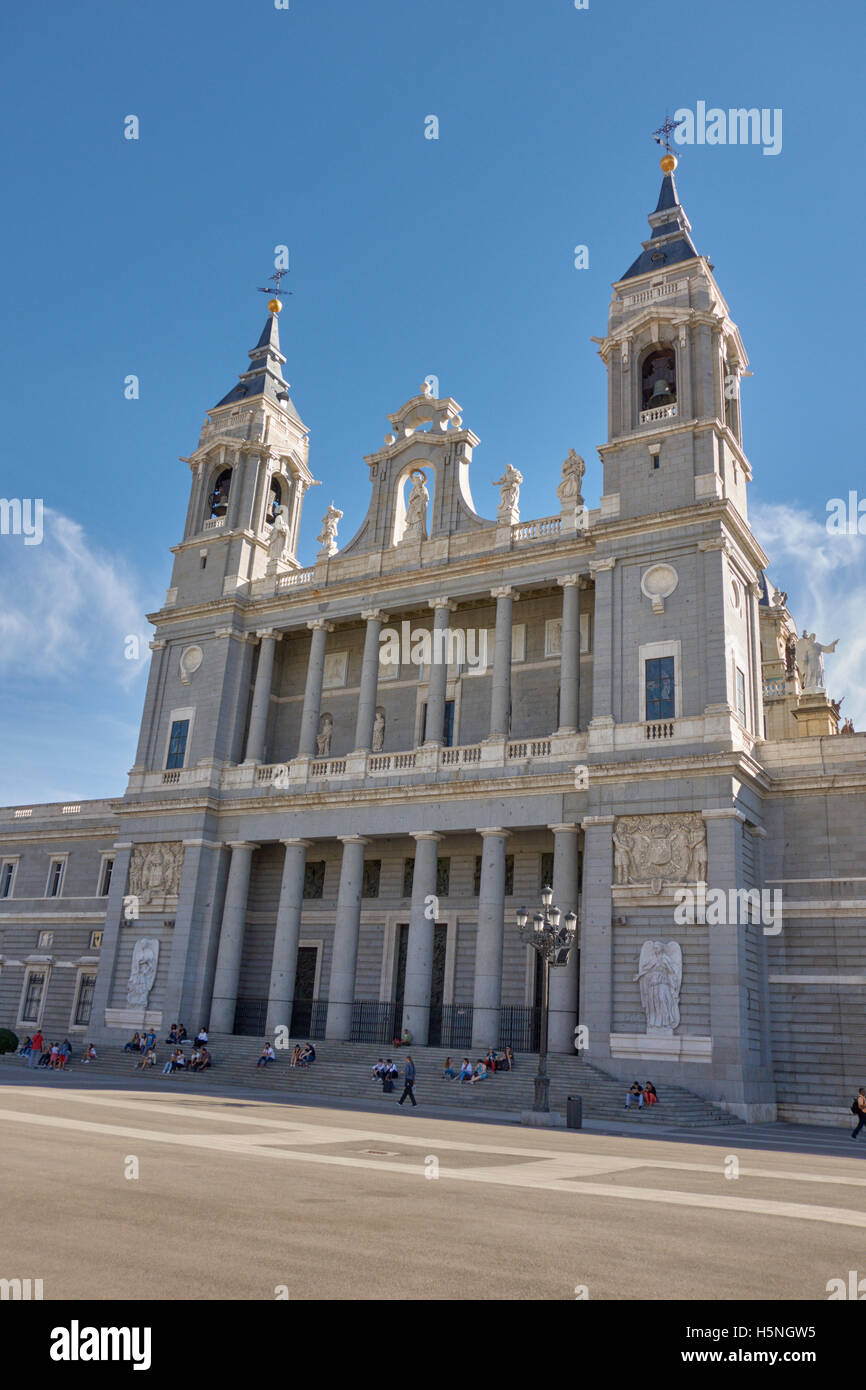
(351, 775)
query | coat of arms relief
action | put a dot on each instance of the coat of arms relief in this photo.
(154, 873)
(654, 851)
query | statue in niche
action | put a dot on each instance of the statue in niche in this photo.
(809, 656)
(416, 508)
(510, 495)
(379, 730)
(790, 656)
(660, 975)
(328, 537)
(279, 537)
(323, 738)
(568, 492)
(142, 971)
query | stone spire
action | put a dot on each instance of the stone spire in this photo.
(670, 241)
(264, 376)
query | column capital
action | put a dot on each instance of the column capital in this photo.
(307, 844)
(494, 830)
(607, 563)
(158, 644)
(263, 632)
(370, 615)
(241, 844)
(715, 543)
(590, 822)
(442, 602)
(314, 623)
(724, 813)
(503, 591)
(569, 580)
(354, 839)
(564, 826)
(426, 835)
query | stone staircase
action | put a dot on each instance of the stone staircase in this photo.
(342, 1071)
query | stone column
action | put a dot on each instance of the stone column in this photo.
(596, 933)
(281, 990)
(341, 994)
(437, 685)
(374, 618)
(563, 979)
(715, 670)
(569, 671)
(231, 944)
(313, 691)
(487, 996)
(268, 639)
(419, 948)
(500, 694)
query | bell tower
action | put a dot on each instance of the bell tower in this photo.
(674, 361)
(249, 475)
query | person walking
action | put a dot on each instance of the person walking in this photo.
(860, 1111)
(408, 1082)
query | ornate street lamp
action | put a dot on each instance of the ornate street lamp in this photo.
(553, 943)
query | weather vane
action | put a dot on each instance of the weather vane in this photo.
(662, 136)
(274, 290)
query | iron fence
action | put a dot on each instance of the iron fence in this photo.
(451, 1026)
(520, 1027)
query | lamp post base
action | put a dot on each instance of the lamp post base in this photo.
(542, 1119)
(541, 1101)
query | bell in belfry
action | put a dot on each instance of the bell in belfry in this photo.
(662, 394)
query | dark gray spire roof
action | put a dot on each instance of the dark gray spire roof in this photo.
(264, 376)
(670, 241)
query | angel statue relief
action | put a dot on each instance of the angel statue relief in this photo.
(660, 972)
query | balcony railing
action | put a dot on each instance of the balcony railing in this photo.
(661, 412)
(543, 529)
(661, 729)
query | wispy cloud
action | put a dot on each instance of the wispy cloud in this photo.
(68, 606)
(825, 579)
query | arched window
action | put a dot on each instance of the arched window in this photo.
(219, 500)
(659, 379)
(275, 501)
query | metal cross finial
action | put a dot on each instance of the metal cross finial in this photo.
(662, 136)
(275, 288)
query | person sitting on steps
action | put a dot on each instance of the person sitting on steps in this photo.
(634, 1092)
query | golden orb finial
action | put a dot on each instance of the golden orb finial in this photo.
(275, 305)
(668, 163)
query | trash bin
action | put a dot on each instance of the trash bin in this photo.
(574, 1112)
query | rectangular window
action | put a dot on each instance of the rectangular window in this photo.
(96, 939)
(408, 877)
(741, 695)
(447, 726)
(105, 877)
(84, 1003)
(33, 996)
(546, 872)
(314, 879)
(55, 878)
(372, 874)
(660, 688)
(177, 743)
(7, 874)
(443, 877)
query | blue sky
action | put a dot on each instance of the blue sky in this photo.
(305, 127)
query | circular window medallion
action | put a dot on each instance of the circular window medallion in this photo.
(191, 659)
(658, 583)
(736, 594)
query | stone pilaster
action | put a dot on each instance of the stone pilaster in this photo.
(596, 934)
(569, 676)
(500, 693)
(374, 619)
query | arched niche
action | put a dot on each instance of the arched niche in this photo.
(218, 493)
(408, 514)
